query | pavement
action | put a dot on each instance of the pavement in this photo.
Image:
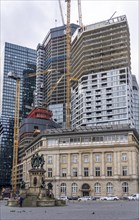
(74, 210)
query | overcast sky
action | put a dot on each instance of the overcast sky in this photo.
(27, 22)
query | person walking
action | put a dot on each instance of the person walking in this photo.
(20, 201)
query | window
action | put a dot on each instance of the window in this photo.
(64, 159)
(86, 158)
(125, 187)
(74, 188)
(63, 188)
(97, 188)
(64, 172)
(97, 171)
(49, 172)
(124, 171)
(124, 156)
(109, 171)
(86, 171)
(109, 157)
(50, 160)
(97, 157)
(74, 172)
(74, 158)
(109, 188)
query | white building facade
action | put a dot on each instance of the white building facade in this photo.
(89, 161)
(103, 98)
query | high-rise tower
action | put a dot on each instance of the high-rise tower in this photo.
(17, 59)
(101, 63)
(51, 55)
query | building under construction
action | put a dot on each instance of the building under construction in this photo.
(51, 55)
(101, 62)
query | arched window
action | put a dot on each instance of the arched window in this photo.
(63, 187)
(109, 188)
(74, 188)
(97, 187)
(125, 187)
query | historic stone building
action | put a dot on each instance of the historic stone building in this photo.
(91, 161)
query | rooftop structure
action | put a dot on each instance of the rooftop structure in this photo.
(41, 113)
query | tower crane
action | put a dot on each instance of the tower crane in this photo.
(68, 39)
(61, 12)
(12, 75)
(80, 13)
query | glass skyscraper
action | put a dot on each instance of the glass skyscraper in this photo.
(20, 60)
(51, 55)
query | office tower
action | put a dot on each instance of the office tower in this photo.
(51, 55)
(17, 59)
(29, 86)
(101, 63)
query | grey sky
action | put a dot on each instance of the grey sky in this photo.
(27, 22)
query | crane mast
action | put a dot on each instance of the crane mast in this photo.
(68, 65)
(16, 134)
(80, 13)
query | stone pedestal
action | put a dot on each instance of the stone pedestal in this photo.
(36, 176)
(37, 195)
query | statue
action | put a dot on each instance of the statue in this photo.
(37, 161)
(22, 184)
(50, 186)
(42, 160)
(32, 160)
(43, 184)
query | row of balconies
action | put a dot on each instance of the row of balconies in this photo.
(98, 33)
(98, 68)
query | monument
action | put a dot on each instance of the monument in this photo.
(37, 194)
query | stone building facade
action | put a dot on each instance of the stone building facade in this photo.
(88, 161)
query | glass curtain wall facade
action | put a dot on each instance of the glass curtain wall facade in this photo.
(51, 55)
(16, 59)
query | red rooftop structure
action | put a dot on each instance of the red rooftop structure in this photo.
(41, 113)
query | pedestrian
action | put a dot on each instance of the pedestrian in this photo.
(20, 201)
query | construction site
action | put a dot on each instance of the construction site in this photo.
(82, 118)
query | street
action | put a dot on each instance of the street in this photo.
(90, 210)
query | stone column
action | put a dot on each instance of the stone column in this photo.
(118, 163)
(115, 163)
(134, 162)
(91, 165)
(103, 164)
(130, 165)
(69, 168)
(80, 165)
(57, 165)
